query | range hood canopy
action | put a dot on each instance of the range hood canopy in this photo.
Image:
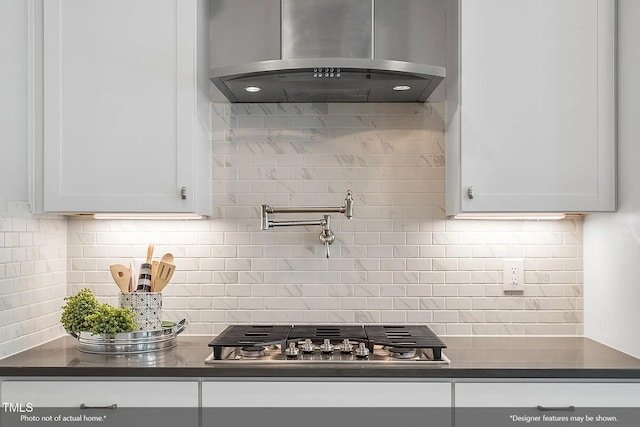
(326, 54)
(328, 80)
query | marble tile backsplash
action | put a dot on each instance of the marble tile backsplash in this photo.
(32, 277)
(398, 260)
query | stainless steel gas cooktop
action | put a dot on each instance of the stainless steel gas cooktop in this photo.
(327, 344)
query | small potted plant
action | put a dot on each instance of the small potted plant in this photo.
(83, 313)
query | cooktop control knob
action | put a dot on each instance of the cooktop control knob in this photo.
(346, 346)
(362, 351)
(292, 350)
(308, 346)
(326, 346)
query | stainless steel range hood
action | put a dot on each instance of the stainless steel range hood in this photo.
(327, 50)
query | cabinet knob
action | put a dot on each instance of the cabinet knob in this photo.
(183, 193)
(470, 193)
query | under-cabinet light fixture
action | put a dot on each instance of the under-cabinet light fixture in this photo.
(147, 216)
(514, 216)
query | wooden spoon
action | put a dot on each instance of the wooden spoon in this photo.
(154, 273)
(132, 282)
(165, 271)
(167, 263)
(121, 275)
(149, 253)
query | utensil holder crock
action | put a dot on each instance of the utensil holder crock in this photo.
(147, 306)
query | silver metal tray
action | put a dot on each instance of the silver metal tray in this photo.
(130, 342)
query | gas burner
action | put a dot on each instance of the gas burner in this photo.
(402, 353)
(252, 352)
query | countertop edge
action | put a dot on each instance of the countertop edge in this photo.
(472, 358)
(400, 373)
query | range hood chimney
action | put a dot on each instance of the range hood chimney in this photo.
(327, 50)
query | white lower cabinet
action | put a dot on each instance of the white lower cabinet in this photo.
(560, 403)
(319, 403)
(316, 402)
(107, 403)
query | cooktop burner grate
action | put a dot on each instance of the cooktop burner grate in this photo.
(249, 336)
(406, 336)
(401, 337)
(335, 333)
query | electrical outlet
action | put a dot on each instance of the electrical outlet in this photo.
(513, 275)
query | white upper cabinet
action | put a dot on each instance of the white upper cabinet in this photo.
(126, 106)
(531, 106)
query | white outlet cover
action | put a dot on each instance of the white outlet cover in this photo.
(513, 275)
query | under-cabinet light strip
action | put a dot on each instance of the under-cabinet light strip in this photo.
(518, 216)
(147, 216)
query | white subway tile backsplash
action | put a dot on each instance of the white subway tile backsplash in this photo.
(33, 262)
(399, 260)
(563, 277)
(564, 251)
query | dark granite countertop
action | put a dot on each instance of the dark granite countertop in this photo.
(471, 357)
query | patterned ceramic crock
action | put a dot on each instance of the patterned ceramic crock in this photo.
(147, 306)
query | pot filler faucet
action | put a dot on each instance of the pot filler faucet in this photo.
(326, 235)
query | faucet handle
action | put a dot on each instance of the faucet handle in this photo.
(348, 204)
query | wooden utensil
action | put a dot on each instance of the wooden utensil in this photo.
(168, 258)
(149, 253)
(133, 282)
(121, 275)
(154, 273)
(165, 271)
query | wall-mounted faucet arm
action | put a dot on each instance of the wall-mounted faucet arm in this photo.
(288, 223)
(304, 209)
(326, 235)
(346, 209)
(266, 223)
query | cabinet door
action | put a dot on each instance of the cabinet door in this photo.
(495, 403)
(118, 403)
(366, 403)
(120, 115)
(537, 105)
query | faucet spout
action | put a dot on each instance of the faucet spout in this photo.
(326, 235)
